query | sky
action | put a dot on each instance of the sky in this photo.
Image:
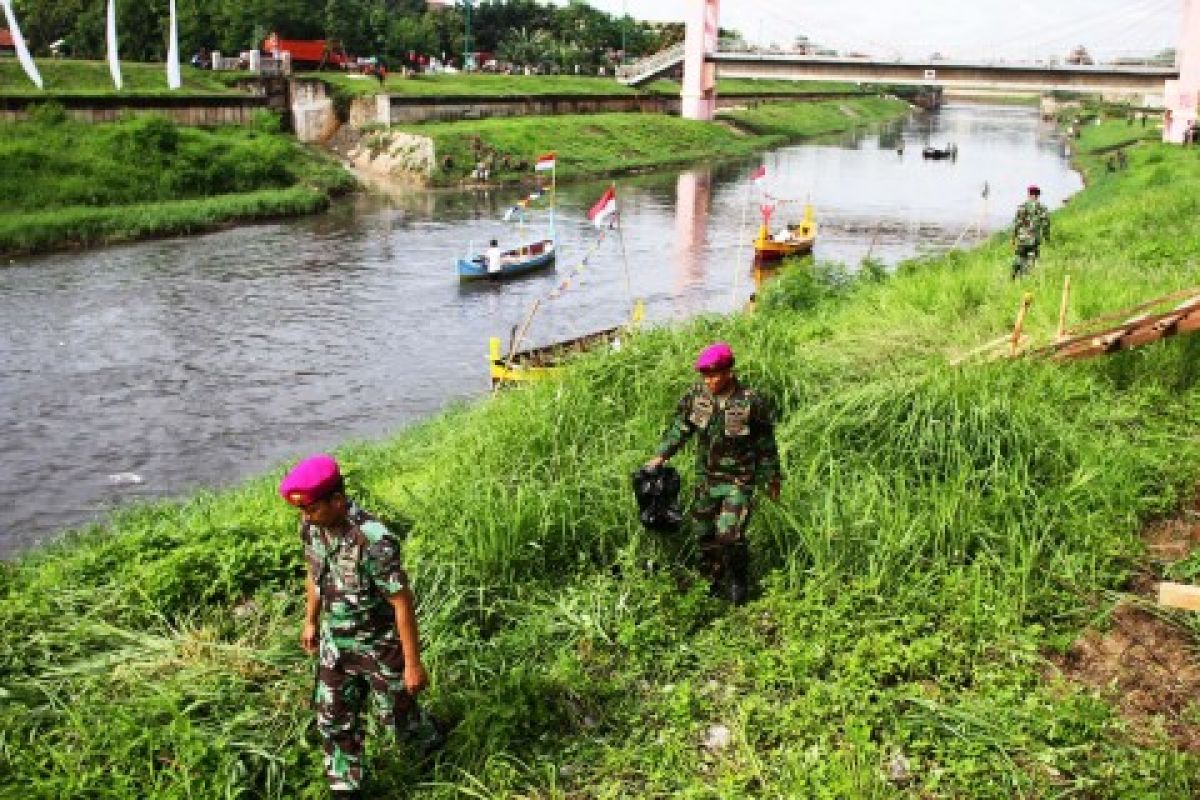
(968, 29)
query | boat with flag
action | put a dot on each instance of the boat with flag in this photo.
(522, 365)
(796, 239)
(496, 262)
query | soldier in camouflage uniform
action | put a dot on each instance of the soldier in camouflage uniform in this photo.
(1031, 227)
(359, 616)
(735, 452)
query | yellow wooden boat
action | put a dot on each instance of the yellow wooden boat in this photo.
(540, 363)
(795, 240)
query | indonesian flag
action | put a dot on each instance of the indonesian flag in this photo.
(605, 211)
(759, 175)
(544, 162)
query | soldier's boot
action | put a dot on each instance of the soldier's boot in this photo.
(346, 794)
(738, 559)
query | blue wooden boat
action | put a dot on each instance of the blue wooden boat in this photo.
(518, 261)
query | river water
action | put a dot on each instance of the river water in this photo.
(154, 369)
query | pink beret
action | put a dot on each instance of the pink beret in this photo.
(1034, 190)
(716, 356)
(310, 480)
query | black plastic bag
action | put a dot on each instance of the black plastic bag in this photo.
(657, 493)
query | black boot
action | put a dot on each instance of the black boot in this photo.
(738, 563)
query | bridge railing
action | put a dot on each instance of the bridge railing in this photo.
(650, 64)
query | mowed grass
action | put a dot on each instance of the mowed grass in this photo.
(75, 77)
(474, 84)
(611, 144)
(67, 183)
(942, 530)
(812, 119)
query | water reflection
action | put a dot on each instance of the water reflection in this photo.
(193, 362)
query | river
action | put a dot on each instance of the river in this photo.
(154, 369)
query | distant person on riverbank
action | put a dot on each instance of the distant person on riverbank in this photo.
(1031, 227)
(359, 616)
(735, 452)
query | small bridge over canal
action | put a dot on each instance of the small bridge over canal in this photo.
(704, 60)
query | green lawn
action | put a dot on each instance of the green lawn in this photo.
(70, 77)
(942, 531)
(459, 85)
(608, 144)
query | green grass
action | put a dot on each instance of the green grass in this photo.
(460, 85)
(70, 184)
(941, 529)
(794, 120)
(70, 77)
(762, 86)
(609, 144)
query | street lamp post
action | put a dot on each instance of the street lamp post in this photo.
(624, 27)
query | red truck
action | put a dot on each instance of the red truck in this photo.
(308, 53)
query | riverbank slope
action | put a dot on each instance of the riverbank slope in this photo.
(70, 184)
(942, 530)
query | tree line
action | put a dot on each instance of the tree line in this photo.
(522, 32)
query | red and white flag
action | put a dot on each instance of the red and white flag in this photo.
(604, 211)
(544, 162)
(759, 175)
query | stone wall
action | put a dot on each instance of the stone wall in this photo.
(185, 110)
(392, 156)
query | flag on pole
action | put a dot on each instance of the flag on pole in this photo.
(114, 62)
(604, 212)
(19, 44)
(544, 162)
(759, 175)
(173, 79)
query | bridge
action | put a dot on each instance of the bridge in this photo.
(1101, 79)
(704, 60)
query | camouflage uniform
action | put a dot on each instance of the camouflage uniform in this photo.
(1030, 228)
(360, 652)
(735, 451)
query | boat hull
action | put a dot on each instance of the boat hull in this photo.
(528, 258)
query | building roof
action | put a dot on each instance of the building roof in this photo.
(6, 39)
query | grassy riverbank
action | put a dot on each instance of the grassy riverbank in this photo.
(68, 184)
(92, 78)
(612, 144)
(941, 531)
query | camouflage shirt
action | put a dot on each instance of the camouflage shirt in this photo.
(736, 435)
(1032, 223)
(355, 572)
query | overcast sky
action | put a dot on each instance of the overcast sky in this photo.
(988, 29)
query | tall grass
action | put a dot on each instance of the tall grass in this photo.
(941, 528)
(66, 183)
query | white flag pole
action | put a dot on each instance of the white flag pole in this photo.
(173, 79)
(19, 43)
(741, 243)
(114, 63)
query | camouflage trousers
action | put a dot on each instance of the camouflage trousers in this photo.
(720, 514)
(1024, 255)
(346, 681)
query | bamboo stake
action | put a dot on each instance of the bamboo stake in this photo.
(624, 254)
(518, 337)
(1015, 343)
(1062, 309)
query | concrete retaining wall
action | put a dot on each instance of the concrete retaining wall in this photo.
(401, 109)
(185, 110)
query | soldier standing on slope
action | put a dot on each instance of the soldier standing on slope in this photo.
(735, 451)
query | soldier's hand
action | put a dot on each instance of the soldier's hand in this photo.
(308, 638)
(655, 462)
(773, 490)
(415, 677)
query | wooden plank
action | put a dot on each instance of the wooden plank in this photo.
(1179, 595)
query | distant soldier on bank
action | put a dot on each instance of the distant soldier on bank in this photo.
(735, 452)
(1031, 227)
(359, 616)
